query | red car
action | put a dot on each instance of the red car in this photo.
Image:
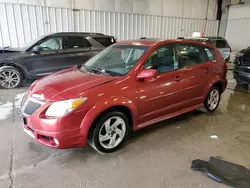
(128, 86)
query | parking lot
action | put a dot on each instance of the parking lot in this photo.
(159, 156)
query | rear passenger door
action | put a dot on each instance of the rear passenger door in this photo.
(78, 50)
(198, 62)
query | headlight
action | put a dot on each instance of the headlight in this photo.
(61, 108)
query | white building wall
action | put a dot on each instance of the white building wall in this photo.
(238, 26)
(175, 8)
(21, 23)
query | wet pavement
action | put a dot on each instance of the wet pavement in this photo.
(158, 156)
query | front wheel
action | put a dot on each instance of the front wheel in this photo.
(10, 77)
(212, 100)
(110, 132)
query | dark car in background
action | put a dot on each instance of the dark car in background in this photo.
(242, 66)
(48, 54)
(220, 43)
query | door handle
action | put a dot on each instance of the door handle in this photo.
(208, 70)
(177, 78)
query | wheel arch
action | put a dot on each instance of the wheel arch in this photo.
(12, 64)
(123, 109)
(215, 80)
(219, 84)
(127, 107)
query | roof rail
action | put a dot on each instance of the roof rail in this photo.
(143, 38)
(86, 33)
(180, 38)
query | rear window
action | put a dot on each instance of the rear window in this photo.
(209, 53)
(76, 42)
(220, 43)
(105, 41)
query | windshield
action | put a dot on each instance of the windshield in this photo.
(116, 60)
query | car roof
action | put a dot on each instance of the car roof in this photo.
(141, 42)
(153, 42)
(86, 34)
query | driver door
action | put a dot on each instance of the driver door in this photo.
(161, 96)
(49, 59)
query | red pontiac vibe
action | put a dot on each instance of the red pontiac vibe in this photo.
(128, 86)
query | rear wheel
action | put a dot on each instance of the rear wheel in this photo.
(10, 77)
(110, 132)
(213, 99)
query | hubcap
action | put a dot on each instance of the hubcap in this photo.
(213, 99)
(112, 132)
(9, 79)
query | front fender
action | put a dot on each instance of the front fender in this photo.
(100, 107)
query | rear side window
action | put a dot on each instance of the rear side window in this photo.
(105, 41)
(190, 55)
(209, 53)
(77, 42)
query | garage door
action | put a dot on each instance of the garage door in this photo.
(238, 26)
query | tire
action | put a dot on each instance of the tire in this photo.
(10, 77)
(212, 104)
(115, 137)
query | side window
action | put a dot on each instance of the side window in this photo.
(162, 59)
(76, 42)
(51, 44)
(190, 55)
(105, 41)
(210, 53)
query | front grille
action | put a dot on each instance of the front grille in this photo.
(31, 107)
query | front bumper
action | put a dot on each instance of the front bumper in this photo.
(62, 133)
(60, 140)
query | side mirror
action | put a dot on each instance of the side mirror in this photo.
(36, 49)
(146, 74)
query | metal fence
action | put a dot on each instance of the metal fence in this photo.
(19, 24)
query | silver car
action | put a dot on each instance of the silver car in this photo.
(222, 45)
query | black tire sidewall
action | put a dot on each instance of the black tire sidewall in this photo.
(19, 74)
(95, 136)
(206, 100)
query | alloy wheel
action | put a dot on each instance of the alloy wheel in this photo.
(112, 132)
(9, 79)
(213, 99)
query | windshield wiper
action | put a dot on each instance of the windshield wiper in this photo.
(87, 69)
(99, 70)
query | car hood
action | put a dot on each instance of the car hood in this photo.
(67, 84)
(9, 53)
